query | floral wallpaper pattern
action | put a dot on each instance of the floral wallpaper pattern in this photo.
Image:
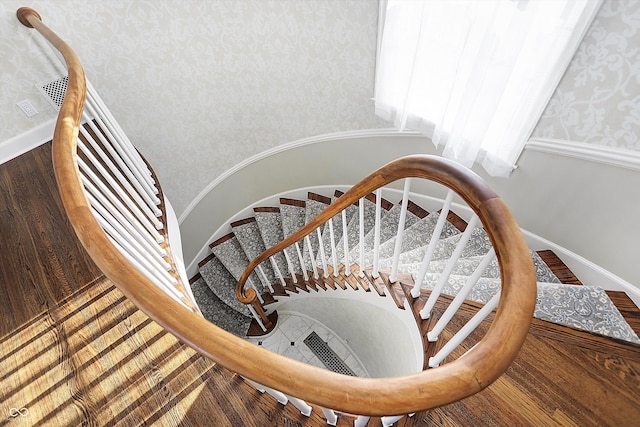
(200, 85)
(598, 99)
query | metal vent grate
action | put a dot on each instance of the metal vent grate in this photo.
(328, 357)
(54, 91)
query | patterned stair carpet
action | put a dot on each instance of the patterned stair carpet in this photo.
(583, 307)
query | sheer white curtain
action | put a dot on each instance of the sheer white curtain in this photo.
(475, 75)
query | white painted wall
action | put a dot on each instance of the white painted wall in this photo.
(387, 344)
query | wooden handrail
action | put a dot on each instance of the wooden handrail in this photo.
(367, 396)
(467, 184)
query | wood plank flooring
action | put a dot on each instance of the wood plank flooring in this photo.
(74, 351)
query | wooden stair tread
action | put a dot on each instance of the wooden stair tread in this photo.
(627, 308)
(221, 240)
(417, 210)
(244, 221)
(267, 209)
(256, 331)
(319, 198)
(559, 268)
(376, 282)
(293, 202)
(395, 289)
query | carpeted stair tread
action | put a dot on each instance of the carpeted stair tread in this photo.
(231, 255)
(337, 229)
(292, 214)
(467, 266)
(353, 228)
(217, 311)
(316, 203)
(269, 222)
(415, 236)
(222, 284)
(248, 234)
(443, 250)
(583, 307)
(388, 229)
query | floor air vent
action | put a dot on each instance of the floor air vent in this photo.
(54, 91)
(326, 355)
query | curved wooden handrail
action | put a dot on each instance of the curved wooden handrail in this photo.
(367, 396)
(466, 183)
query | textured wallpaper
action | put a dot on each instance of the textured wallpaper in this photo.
(598, 99)
(200, 85)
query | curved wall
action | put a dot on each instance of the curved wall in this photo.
(587, 207)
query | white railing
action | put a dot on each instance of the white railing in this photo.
(124, 197)
(357, 226)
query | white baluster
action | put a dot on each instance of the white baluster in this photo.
(302, 406)
(116, 143)
(124, 217)
(435, 237)
(314, 265)
(276, 270)
(376, 236)
(256, 317)
(461, 296)
(134, 176)
(393, 277)
(292, 271)
(131, 208)
(304, 267)
(168, 287)
(279, 396)
(129, 194)
(451, 263)
(265, 279)
(325, 273)
(330, 415)
(96, 101)
(464, 332)
(361, 237)
(136, 245)
(345, 244)
(361, 421)
(389, 421)
(129, 182)
(334, 252)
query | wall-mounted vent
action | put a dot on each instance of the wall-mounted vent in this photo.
(54, 90)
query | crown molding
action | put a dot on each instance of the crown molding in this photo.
(584, 151)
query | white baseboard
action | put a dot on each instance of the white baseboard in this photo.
(20, 144)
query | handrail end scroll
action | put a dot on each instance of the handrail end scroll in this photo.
(24, 13)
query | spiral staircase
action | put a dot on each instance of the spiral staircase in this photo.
(466, 279)
(583, 307)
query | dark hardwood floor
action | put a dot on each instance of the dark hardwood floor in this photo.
(74, 351)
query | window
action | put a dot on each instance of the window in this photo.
(474, 75)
